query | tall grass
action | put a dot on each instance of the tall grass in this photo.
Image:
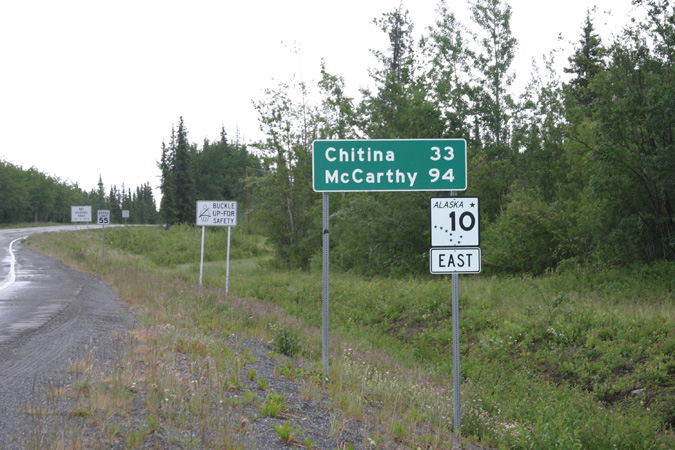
(181, 244)
(580, 359)
(545, 367)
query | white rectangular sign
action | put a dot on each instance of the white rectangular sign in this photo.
(216, 213)
(125, 214)
(454, 260)
(455, 222)
(103, 217)
(80, 213)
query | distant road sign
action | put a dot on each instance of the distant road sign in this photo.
(389, 165)
(454, 260)
(216, 213)
(80, 213)
(455, 222)
(125, 214)
(104, 217)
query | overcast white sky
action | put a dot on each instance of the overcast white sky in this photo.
(91, 87)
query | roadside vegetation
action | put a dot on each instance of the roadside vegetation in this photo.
(582, 358)
(567, 335)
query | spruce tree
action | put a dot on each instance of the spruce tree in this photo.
(585, 63)
(167, 187)
(184, 177)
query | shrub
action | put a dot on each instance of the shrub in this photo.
(527, 236)
(286, 341)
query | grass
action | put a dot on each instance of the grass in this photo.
(579, 359)
(288, 433)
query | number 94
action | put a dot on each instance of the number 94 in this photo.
(435, 174)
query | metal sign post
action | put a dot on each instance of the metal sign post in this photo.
(201, 258)
(384, 165)
(227, 264)
(455, 236)
(326, 262)
(216, 213)
(455, 351)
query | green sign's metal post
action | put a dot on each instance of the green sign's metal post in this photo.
(326, 262)
(383, 166)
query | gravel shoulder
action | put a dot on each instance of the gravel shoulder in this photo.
(88, 318)
(42, 368)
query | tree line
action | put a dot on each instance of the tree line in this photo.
(216, 171)
(28, 195)
(568, 172)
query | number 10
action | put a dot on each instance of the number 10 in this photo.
(462, 224)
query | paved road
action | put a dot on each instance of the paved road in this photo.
(49, 313)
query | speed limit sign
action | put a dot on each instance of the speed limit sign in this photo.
(104, 217)
(455, 222)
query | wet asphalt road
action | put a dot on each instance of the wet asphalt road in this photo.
(50, 317)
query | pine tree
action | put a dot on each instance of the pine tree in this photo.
(184, 177)
(167, 185)
(585, 63)
(98, 199)
(221, 166)
(114, 201)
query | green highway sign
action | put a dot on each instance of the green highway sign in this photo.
(389, 165)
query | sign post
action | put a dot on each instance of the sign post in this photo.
(455, 237)
(325, 297)
(103, 220)
(125, 216)
(385, 165)
(216, 213)
(456, 374)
